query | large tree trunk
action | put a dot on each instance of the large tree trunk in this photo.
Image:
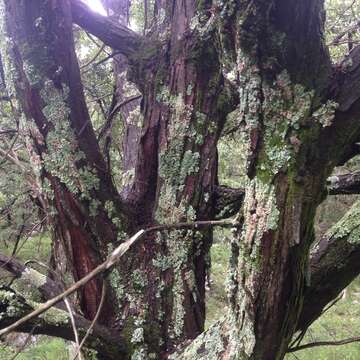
(157, 295)
(174, 177)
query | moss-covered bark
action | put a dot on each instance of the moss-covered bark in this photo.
(56, 322)
(42, 72)
(198, 61)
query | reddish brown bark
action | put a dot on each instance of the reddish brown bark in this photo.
(157, 293)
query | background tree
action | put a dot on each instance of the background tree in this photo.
(98, 182)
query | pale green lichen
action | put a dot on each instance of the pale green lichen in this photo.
(178, 308)
(63, 153)
(189, 164)
(139, 354)
(139, 280)
(29, 284)
(138, 335)
(162, 262)
(326, 113)
(189, 89)
(127, 177)
(209, 345)
(34, 277)
(285, 107)
(348, 226)
(11, 307)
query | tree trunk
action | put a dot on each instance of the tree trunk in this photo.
(158, 293)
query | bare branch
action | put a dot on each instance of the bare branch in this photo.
(334, 265)
(344, 184)
(107, 342)
(116, 36)
(324, 343)
(350, 28)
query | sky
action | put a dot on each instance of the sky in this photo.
(96, 6)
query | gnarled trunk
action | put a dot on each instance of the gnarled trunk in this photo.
(198, 61)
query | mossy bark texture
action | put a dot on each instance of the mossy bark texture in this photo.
(200, 61)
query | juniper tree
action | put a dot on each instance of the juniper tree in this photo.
(195, 63)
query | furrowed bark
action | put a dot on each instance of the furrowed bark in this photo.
(273, 52)
(279, 100)
(173, 178)
(65, 147)
(334, 264)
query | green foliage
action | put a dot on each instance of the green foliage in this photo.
(342, 15)
(36, 247)
(216, 296)
(231, 162)
(342, 321)
(45, 349)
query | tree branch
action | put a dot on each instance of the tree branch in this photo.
(45, 285)
(338, 140)
(344, 184)
(350, 28)
(325, 343)
(111, 33)
(334, 265)
(228, 201)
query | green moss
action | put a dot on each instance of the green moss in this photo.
(55, 316)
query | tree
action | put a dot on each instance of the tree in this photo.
(197, 62)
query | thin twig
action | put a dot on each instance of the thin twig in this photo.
(66, 300)
(325, 343)
(93, 58)
(351, 28)
(110, 56)
(106, 265)
(23, 346)
(88, 331)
